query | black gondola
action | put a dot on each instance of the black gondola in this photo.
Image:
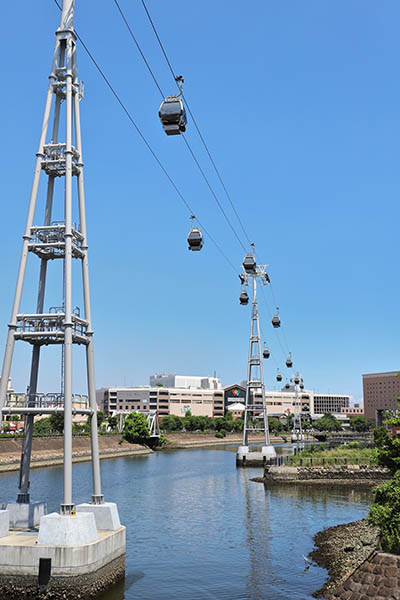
(289, 362)
(276, 322)
(267, 279)
(301, 385)
(266, 352)
(195, 239)
(279, 376)
(249, 263)
(244, 298)
(296, 379)
(173, 115)
(287, 385)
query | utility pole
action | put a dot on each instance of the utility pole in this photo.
(255, 414)
(57, 244)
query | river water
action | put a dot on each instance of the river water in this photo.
(198, 528)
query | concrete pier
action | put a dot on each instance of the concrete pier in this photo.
(32, 570)
(251, 459)
(25, 515)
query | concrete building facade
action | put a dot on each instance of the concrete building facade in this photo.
(330, 403)
(167, 401)
(381, 391)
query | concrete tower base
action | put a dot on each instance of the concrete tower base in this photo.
(106, 515)
(4, 523)
(25, 515)
(36, 571)
(245, 458)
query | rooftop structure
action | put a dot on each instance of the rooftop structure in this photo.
(171, 380)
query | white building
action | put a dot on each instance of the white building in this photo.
(185, 381)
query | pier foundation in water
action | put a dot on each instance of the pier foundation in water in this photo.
(68, 557)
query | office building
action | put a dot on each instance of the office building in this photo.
(167, 401)
(330, 403)
(381, 391)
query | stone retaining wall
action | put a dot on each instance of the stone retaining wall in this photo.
(80, 587)
(331, 473)
(377, 578)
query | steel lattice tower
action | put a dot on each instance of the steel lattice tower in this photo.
(255, 414)
(59, 158)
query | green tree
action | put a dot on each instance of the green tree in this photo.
(385, 513)
(101, 417)
(359, 423)
(388, 449)
(136, 430)
(42, 427)
(274, 424)
(112, 423)
(57, 422)
(327, 423)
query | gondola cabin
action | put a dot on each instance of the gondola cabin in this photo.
(173, 115)
(195, 239)
(244, 298)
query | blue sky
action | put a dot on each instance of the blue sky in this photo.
(298, 102)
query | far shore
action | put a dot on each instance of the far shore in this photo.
(48, 452)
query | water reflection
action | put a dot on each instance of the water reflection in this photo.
(198, 529)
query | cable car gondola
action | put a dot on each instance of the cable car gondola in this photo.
(279, 376)
(266, 352)
(244, 298)
(301, 385)
(287, 385)
(195, 237)
(296, 379)
(289, 362)
(276, 322)
(249, 263)
(172, 112)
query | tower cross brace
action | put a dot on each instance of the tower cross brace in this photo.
(59, 158)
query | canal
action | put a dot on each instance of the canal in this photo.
(198, 528)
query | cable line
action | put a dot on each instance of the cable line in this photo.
(191, 114)
(196, 124)
(160, 164)
(207, 150)
(138, 47)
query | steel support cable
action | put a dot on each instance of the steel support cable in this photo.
(212, 192)
(264, 340)
(270, 315)
(198, 131)
(205, 146)
(160, 164)
(184, 137)
(202, 140)
(138, 47)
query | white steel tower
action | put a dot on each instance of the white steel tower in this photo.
(255, 414)
(62, 244)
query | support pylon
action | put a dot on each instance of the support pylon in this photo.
(62, 242)
(255, 414)
(297, 428)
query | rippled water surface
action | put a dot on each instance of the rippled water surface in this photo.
(198, 528)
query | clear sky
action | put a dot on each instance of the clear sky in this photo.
(299, 104)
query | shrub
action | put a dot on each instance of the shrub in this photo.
(220, 434)
(385, 513)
